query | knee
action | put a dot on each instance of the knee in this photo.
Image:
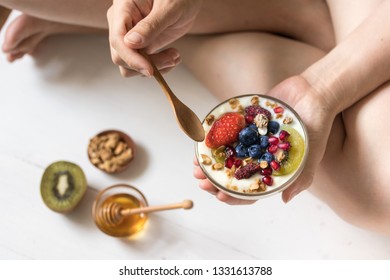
(352, 175)
(366, 209)
(365, 182)
(355, 199)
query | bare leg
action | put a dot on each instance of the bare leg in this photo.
(51, 17)
(354, 180)
(289, 17)
(25, 34)
(305, 20)
(85, 13)
(230, 65)
(352, 176)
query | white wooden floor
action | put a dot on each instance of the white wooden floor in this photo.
(52, 105)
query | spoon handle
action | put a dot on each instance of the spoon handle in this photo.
(160, 79)
(4, 14)
(186, 118)
(186, 204)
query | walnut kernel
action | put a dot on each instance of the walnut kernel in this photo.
(234, 102)
(210, 119)
(288, 120)
(255, 100)
(217, 166)
(206, 160)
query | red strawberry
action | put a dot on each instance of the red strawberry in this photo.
(225, 130)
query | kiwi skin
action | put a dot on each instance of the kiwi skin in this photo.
(63, 185)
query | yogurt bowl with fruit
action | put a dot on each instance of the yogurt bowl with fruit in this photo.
(255, 146)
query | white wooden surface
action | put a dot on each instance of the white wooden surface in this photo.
(50, 107)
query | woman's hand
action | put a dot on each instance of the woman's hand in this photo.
(318, 116)
(149, 25)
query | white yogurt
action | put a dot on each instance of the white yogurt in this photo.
(240, 188)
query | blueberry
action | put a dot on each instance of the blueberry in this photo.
(248, 136)
(242, 151)
(253, 126)
(268, 157)
(254, 151)
(264, 142)
(273, 127)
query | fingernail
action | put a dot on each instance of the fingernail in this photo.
(6, 49)
(134, 38)
(178, 60)
(176, 56)
(168, 64)
(145, 72)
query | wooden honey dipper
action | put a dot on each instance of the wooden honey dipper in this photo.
(114, 213)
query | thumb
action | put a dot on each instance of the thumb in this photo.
(147, 30)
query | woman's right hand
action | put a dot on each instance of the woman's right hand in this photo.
(149, 25)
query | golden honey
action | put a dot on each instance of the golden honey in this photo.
(131, 199)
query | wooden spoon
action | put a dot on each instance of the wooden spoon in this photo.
(4, 14)
(186, 118)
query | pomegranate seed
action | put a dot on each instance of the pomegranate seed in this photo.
(284, 146)
(267, 180)
(275, 165)
(266, 171)
(273, 148)
(278, 110)
(283, 135)
(238, 163)
(249, 119)
(230, 151)
(273, 140)
(229, 162)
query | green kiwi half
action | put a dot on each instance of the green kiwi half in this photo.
(63, 185)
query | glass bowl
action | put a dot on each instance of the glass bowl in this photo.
(291, 159)
(124, 196)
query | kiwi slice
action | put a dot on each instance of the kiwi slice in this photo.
(63, 185)
(295, 154)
